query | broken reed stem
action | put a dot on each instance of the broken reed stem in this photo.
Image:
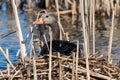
(93, 12)
(60, 68)
(85, 39)
(8, 60)
(67, 37)
(111, 38)
(73, 11)
(73, 66)
(1, 73)
(29, 4)
(8, 66)
(20, 36)
(15, 73)
(50, 57)
(47, 3)
(34, 69)
(77, 53)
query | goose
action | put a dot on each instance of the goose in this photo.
(62, 46)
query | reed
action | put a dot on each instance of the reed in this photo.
(93, 12)
(19, 32)
(50, 57)
(85, 40)
(111, 38)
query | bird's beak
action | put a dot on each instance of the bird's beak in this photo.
(38, 21)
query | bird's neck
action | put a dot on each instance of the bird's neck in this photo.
(55, 30)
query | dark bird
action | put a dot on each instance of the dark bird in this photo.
(64, 47)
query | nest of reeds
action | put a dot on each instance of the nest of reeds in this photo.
(68, 68)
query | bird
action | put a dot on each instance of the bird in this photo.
(48, 20)
(62, 46)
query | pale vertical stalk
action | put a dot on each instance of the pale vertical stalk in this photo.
(111, 2)
(60, 68)
(8, 65)
(34, 69)
(108, 7)
(19, 32)
(77, 53)
(58, 15)
(47, 3)
(93, 1)
(50, 57)
(29, 4)
(17, 2)
(90, 14)
(67, 37)
(60, 71)
(85, 39)
(73, 66)
(111, 38)
(97, 5)
(73, 11)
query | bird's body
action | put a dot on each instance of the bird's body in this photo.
(62, 46)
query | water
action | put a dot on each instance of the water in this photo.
(7, 24)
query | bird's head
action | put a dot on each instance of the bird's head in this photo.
(45, 19)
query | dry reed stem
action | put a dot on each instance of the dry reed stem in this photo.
(47, 3)
(20, 37)
(111, 38)
(85, 39)
(73, 11)
(50, 57)
(15, 74)
(59, 22)
(2, 74)
(67, 37)
(8, 60)
(60, 68)
(8, 66)
(93, 12)
(73, 66)
(34, 69)
(77, 53)
(29, 4)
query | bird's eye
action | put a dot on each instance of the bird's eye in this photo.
(46, 16)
